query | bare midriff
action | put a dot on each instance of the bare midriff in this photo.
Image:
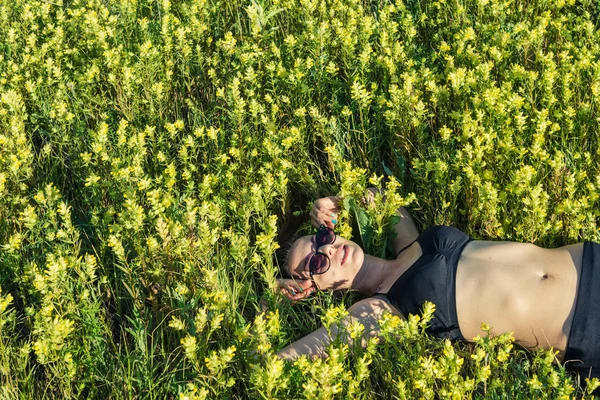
(520, 288)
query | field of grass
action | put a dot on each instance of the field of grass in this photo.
(155, 156)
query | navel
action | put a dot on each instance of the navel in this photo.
(546, 276)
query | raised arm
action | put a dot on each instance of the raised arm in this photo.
(324, 211)
(367, 312)
(406, 230)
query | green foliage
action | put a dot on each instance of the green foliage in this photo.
(151, 151)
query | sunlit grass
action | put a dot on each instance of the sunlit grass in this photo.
(152, 152)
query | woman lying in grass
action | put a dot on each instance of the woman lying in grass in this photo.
(549, 298)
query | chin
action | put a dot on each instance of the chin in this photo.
(360, 258)
(357, 258)
(358, 251)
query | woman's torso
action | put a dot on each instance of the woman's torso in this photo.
(519, 288)
(512, 287)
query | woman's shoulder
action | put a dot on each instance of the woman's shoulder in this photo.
(441, 238)
(374, 305)
(442, 230)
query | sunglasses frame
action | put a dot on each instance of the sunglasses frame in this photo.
(311, 271)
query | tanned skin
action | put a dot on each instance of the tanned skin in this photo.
(512, 287)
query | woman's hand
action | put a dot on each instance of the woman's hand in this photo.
(324, 212)
(295, 289)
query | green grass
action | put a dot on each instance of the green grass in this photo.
(154, 154)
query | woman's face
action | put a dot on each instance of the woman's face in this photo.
(345, 256)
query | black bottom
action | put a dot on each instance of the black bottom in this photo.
(583, 348)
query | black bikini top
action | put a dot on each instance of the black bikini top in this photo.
(433, 278)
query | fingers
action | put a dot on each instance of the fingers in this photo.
(297, 295)
(300, 295)
(304, 284)
(319, 218)
(329, 202)
(324, 211)
(295, 289)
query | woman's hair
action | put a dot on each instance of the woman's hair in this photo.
(292, 227)
(289, 232)
(285, 252)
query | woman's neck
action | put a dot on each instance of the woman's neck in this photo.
(373, 273)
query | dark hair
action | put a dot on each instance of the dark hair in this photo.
(285, 253)
(290, 230)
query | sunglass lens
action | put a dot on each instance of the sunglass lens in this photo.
(319, 264)
(324, 236)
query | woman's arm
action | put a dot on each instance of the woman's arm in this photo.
(367, 312)
(406, 230)
(324, 211)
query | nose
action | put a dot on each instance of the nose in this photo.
(327, 249)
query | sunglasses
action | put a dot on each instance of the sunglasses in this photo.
(319, 263)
